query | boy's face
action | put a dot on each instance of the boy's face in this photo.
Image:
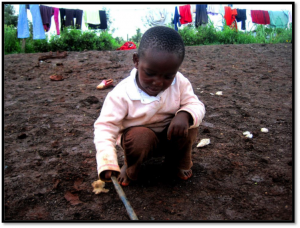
(156, 70)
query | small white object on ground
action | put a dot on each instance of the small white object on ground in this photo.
(219, 93)
(264, 130)
(248, 134)
(212, 94)
(203, 142)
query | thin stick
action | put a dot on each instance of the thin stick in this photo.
(23, 45)
(122, 196)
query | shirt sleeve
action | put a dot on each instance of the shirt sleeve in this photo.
(190, 103)
(106, 129)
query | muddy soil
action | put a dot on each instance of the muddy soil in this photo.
(49, 155)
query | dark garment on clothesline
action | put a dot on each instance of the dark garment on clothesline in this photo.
(241, 16)
(67, 17)
(176, 20)
(62, 14)
(78, 15)
(46, 14)
(103, 20)
(201, 15)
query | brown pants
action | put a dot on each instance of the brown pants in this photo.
(141, 143)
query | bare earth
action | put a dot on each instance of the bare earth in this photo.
(49, 154)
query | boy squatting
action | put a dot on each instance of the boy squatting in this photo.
(152, 112)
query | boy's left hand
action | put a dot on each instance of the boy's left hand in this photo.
(179, 125)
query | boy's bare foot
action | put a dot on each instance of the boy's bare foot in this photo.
(123, 178)
(184, 174)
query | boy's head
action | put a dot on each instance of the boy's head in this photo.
(159, 57)
(161, 38)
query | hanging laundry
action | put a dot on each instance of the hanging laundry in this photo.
(37, 25)
(92, 17)
(62, 12)
(233, 25)
(229, 15)
(212, 9)
(23, 28)
(201, 15)
(156, 17)
(56, 20)
(67, 17)
(185, 14)
(290, 18)
(78, 16)
(69, 21)
(46, 14)
(279, 19)
(241, 17)
(103, 20)
(127, 46)
(222, 10)
(260, 17)
(176, 20)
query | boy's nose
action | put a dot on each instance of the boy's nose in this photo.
(157, 82)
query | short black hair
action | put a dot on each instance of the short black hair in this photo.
(161, 38)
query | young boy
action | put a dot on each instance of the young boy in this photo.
(152, 112)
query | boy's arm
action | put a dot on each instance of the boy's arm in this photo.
(106, 129)
(190, 103)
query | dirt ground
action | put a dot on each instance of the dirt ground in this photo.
(49, 154)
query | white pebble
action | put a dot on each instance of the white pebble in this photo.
(249, 136)
(203, 142)
(264, 130)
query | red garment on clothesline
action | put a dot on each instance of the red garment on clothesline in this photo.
(260, 17)
(185, 14)
(229, 15)
(127, 46)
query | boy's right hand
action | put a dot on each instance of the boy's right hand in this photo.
(179, 125)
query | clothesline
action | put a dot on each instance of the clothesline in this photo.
(197, 14)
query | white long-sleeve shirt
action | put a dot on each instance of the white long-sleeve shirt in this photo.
(127, 105)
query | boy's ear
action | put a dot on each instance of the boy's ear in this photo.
(135, 59)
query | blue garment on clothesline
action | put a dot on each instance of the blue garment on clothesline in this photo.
(37, 24)
(176, 19)
(279, 19)
(23, 29)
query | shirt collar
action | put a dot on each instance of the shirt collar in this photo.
(135, 93)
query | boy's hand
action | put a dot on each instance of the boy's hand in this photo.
(179, 125)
